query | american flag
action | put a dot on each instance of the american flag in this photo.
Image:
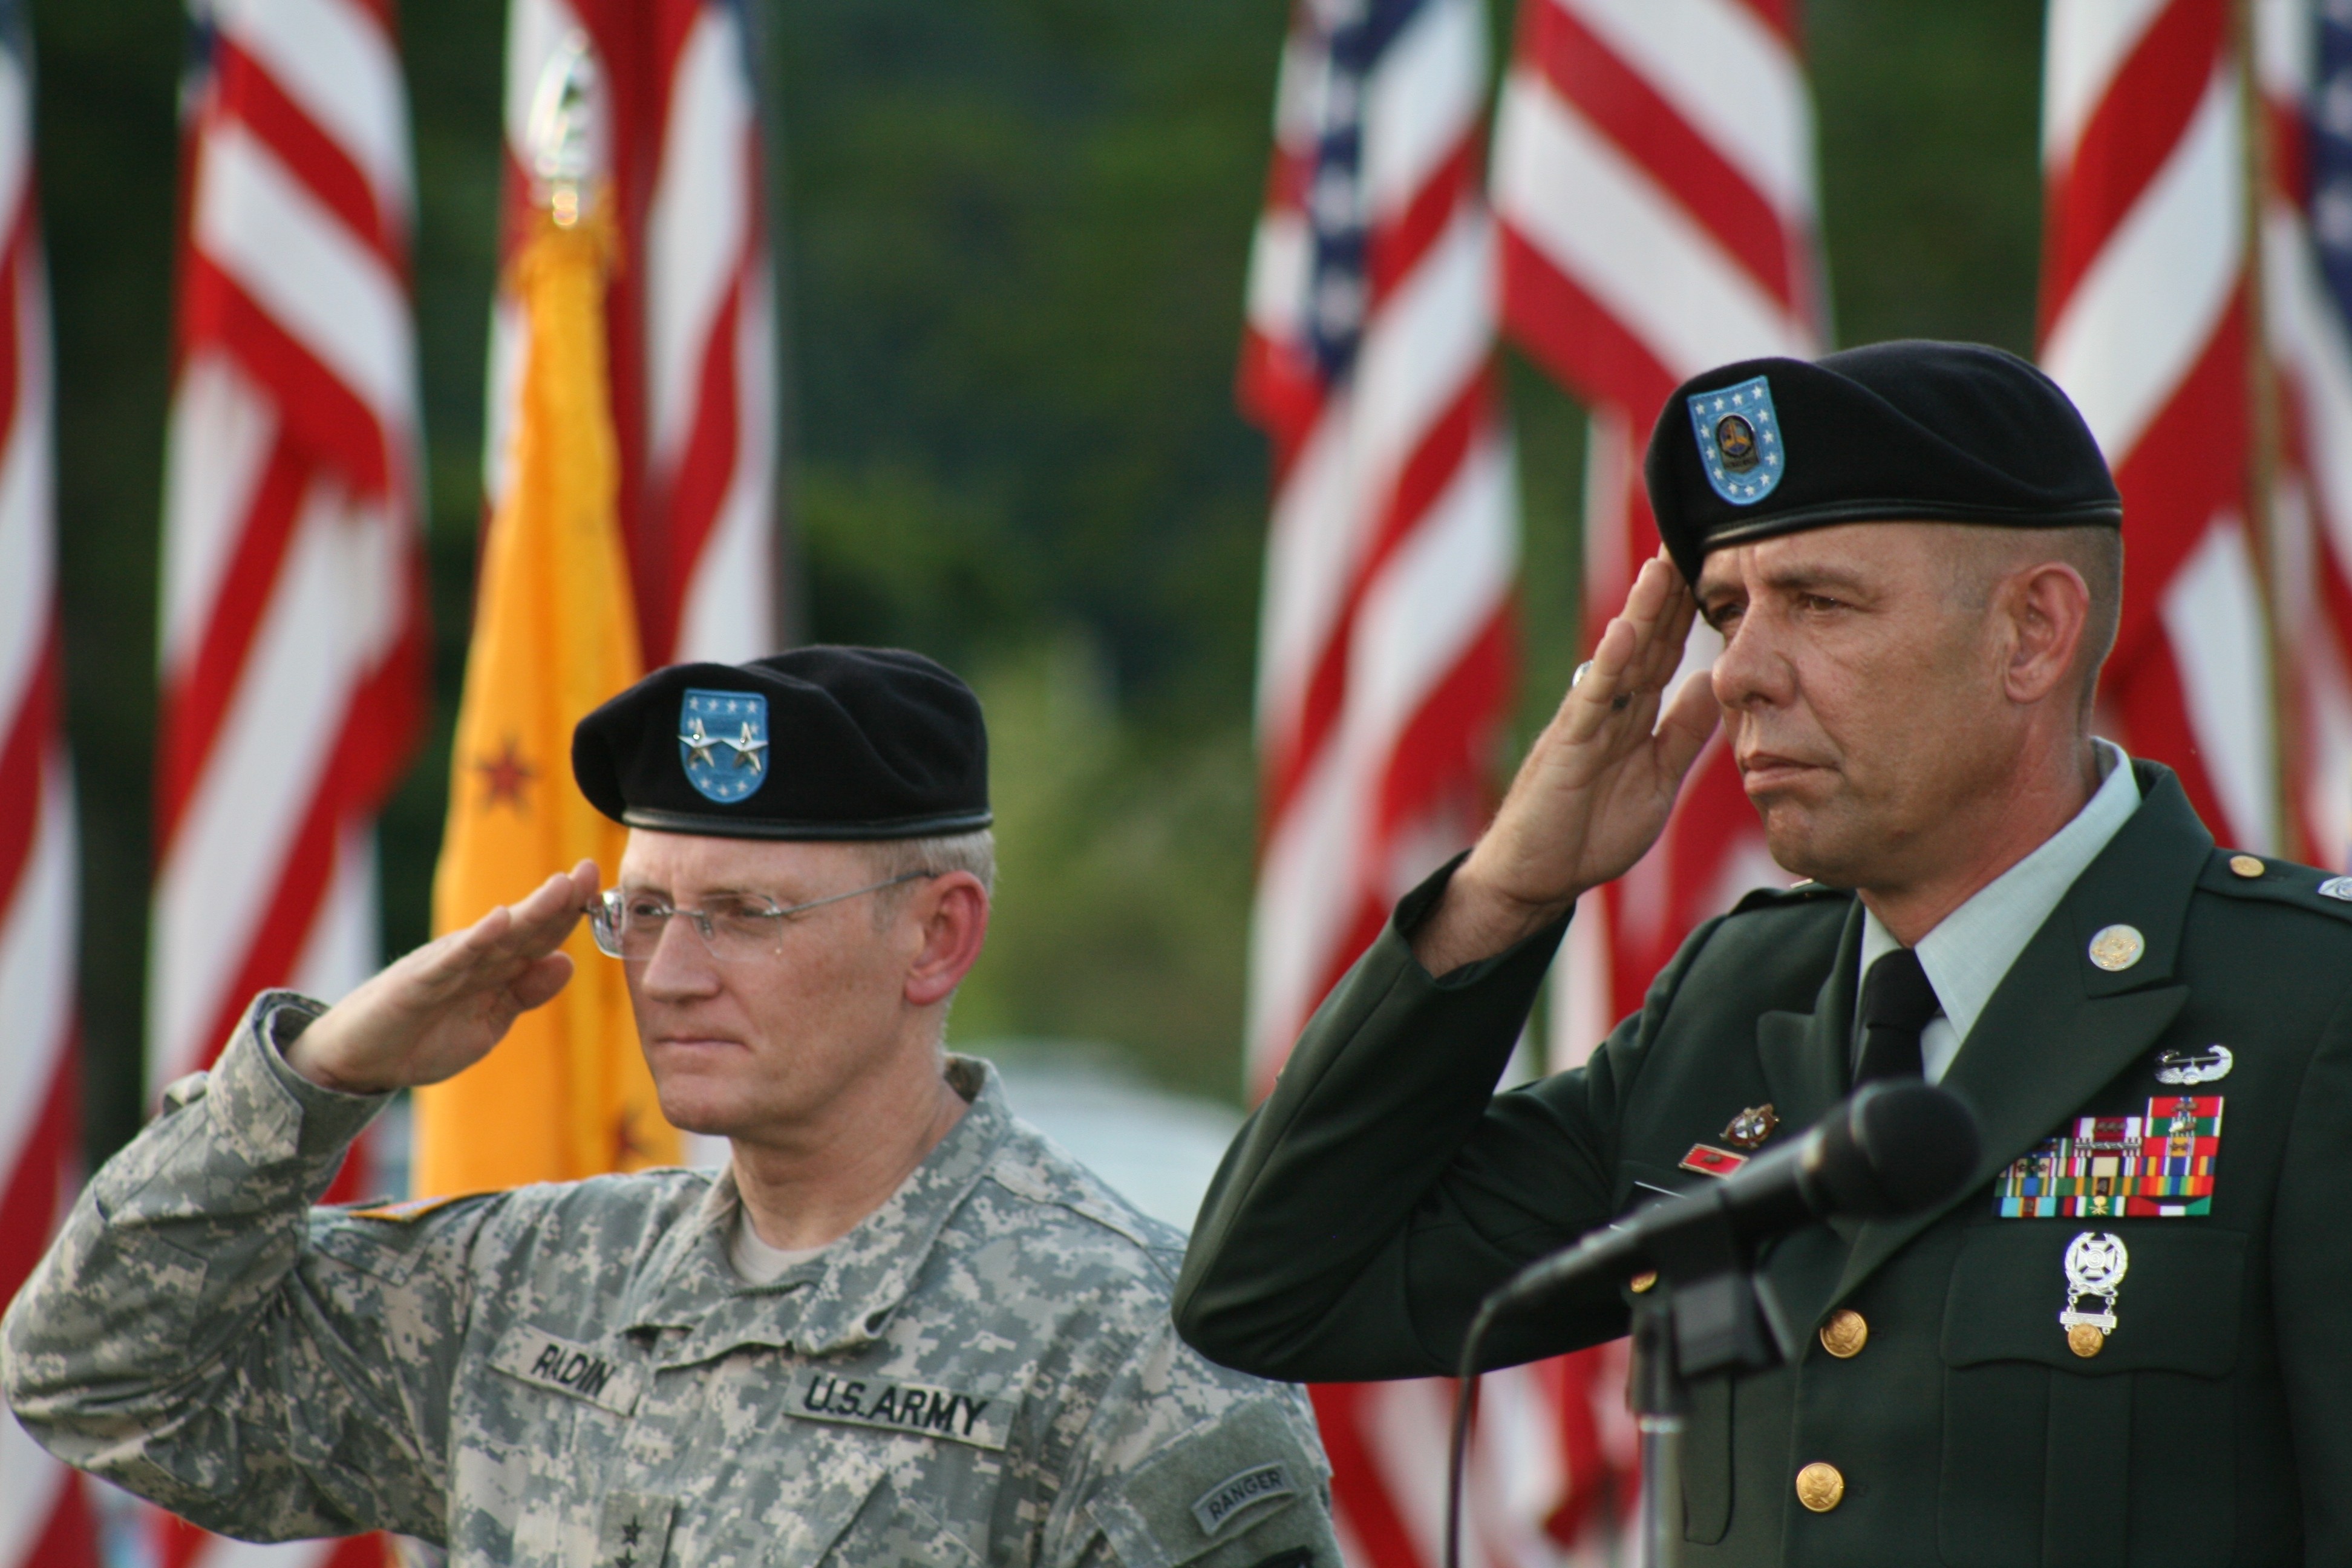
(1384, 640)
(1653, 180)
(292, 633)
(2305, 72)
(2147, 307)
(1653, 177)
(690, 314)
(293, 649)
(45, 1519)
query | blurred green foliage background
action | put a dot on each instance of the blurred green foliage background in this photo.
(1014, 245)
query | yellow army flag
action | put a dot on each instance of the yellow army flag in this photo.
(566, 1095)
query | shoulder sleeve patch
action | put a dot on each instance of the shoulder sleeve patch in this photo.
(1235, 1490)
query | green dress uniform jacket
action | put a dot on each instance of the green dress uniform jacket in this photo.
(983, 1372)
(1384, 1188)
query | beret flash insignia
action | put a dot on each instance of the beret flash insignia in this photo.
(1738, 440)
(722, 740)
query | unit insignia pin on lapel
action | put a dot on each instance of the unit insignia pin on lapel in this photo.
(2096, 1262)
(1752, 1126)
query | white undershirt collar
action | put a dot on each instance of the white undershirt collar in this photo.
(1969, 952)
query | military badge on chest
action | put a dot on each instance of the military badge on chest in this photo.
(2095, 1265)
(1749, 1130)
(2155, 1165)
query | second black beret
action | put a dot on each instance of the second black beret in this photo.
(1911, 430)
(820, 743)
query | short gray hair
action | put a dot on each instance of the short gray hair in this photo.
(973, 852)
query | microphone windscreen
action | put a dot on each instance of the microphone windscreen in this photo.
(1899, 1149)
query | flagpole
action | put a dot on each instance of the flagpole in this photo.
(2263, 425)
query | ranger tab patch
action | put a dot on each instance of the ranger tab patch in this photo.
(2158, 1165)
(1222, 1503)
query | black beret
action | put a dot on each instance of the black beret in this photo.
(1909, 430)
(820, 743)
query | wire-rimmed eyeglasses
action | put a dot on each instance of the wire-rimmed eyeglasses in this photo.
(734, 927)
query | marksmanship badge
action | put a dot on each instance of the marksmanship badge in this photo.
(2158, 1165)
(722, 739)
(1738, 440)
(2096, 1263)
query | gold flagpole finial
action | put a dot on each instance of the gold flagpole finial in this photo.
(568, 132)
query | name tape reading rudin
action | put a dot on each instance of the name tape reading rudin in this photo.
(561, 1366)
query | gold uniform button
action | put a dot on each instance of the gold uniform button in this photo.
(2246, 866)
(1845, 1333)
(1642, 1281)
(2085, 1339)
(1820, 1487)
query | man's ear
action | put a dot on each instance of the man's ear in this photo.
(953, 910)
(2049, 608)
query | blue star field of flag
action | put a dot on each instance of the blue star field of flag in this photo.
(1354, 33)
(2330, 120)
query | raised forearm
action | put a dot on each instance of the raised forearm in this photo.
(1297, 1266)
(138, 1342)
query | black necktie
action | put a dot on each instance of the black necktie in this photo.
(1896, 1003)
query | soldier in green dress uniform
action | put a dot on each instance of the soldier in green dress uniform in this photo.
(2129, 1341)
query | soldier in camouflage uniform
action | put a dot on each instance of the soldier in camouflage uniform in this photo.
(975, 1366)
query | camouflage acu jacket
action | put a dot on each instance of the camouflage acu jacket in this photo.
(984, 1371)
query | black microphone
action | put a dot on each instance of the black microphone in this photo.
(1885, 1151)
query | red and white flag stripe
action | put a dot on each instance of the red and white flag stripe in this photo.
(691, 330)
(1383, 636)
(292, 646)
(1653, 177)
(2310, 347)
(45, 1517)
(292, 651)
(711, 341)
(1384, 639)
(2144, 316)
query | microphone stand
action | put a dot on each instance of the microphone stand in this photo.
(1661, 1405)
(1711, 1314)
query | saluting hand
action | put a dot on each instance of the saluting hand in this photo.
(1595, 790)
(439, 1010)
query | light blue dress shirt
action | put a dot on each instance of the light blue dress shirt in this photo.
(1969, 953)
